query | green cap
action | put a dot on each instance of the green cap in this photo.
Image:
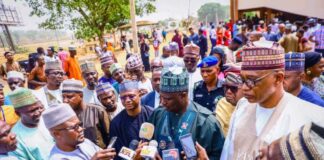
(174, 79)
(22, 97)
(114, 67)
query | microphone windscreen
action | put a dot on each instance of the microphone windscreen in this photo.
(153, 143)
(133, 144)
(146, 131)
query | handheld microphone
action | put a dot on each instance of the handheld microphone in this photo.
(171, 154)
(129, 153)
(149, 152)
(133, 144)
(146, 131)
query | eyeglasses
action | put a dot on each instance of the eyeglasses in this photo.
(251, 83)
(191, 60)
(74, 127)
(58, 73)
(90, 74)
(233, 89)
(124, 98)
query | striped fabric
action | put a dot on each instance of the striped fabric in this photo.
(262, 58)
(305, 143)
(294, 61)
(72, 85)
(106, 58)
(233, 79)
(104, 88)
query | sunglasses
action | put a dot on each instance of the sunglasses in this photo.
(74, 127)
(58, 73)
(233, 89)
(190, 60)
(124, 98)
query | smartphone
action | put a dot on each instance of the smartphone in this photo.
(188, 146)
(112, 142)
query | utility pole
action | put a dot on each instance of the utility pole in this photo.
(134, 26)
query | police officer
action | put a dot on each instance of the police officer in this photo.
(208, 91)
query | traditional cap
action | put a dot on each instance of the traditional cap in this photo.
(263, 58)
(51, 48)
(22, 97)
(106, 58)
(238, 40)
(295, 61)
(72, 85)
(57, 114)
(128, 85)
(134, 61)
(167, 48)
(232, 68)
(312, 58)
(191, 49)
(104, 88)
(72, 48)
(173, 46)
(218, 50)
(55, 65)
(288, 26)
(305, 143)
(156, 63)
(174, 79)
(233, 79)
(15, 74)
(208, 62)
(88, 67)
(114, 67)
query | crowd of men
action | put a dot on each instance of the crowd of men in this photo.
(254, 96)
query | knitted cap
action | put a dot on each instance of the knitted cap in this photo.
(263, 58)
(114, 67)
(57, 114)
(55, 65)
(22, 97)
(134, 61)
(191, 49)
(15, 74)
(88, 67)
(72, 85)
(174, 79)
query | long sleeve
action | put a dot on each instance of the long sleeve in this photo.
(104, 124)
(211, 138)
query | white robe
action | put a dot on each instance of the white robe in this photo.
(120, 107)
(193, 78)
(295, 114)
(90, 96)
(41, 95)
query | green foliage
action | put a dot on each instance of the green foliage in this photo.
(210, 10)
(87, 18)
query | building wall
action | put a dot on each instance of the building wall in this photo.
(310, 8)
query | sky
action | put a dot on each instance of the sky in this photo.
(177, 9)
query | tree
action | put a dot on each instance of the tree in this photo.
(87, 18)
(210, 10)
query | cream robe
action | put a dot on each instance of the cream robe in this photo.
(290, 114)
